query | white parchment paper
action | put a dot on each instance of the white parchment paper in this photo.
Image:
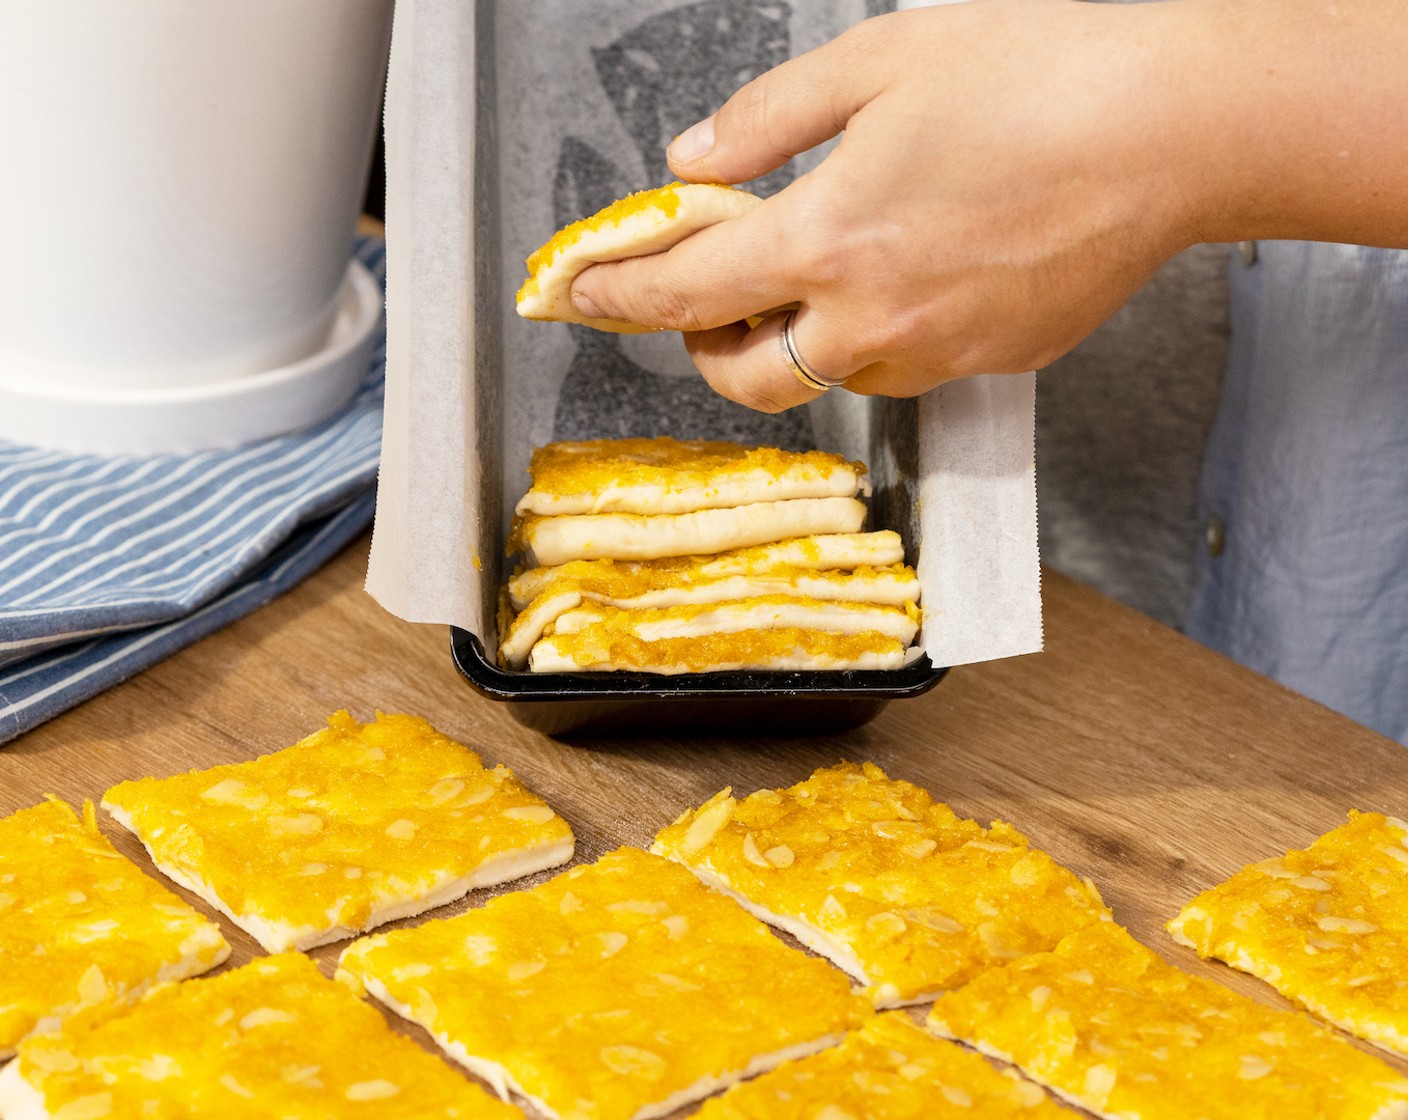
(504, 122)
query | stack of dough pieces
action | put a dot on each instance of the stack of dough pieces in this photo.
(670, 556)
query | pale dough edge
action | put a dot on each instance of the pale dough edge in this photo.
(19, 1100)
(626, 536)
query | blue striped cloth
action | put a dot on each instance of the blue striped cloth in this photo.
(108, 565)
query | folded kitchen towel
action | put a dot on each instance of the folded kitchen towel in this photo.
(108, 565)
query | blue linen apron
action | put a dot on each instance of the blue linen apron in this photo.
(1304, 495)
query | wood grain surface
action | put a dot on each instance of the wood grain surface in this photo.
(1130, 753)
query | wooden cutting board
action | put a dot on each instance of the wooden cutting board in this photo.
(1130, 753)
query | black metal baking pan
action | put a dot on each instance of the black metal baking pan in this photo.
(752, 704)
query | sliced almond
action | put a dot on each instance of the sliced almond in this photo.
(532, 814)
(707, 823)
(521, 970)
(265, 1017)
(780, 856)
(1252, 1067)
(751, 853)
(1332, 924)
(378, 1089)
(446, 789)
(94, 1106)
(633, 1061)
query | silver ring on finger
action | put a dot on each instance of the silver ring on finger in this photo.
(798, 365)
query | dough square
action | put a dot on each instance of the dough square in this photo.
(354, 826)
(1326, 926)
(887, 1070)
(274, 1038)
(1107, 1024)
(560, 539)
(80, 925)
(610, 647)
(838, 554)
(665, 475)
(620, 989)
(880, 878)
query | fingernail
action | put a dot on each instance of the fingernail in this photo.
(693, 143)
(585, 305)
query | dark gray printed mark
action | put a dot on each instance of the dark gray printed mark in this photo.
(585, 181)
(678, 67)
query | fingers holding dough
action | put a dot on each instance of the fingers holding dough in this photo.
(639, 225)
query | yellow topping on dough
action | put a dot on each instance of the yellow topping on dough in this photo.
(780, 558)
(594, 466)
(80, 925)
(1326, 926)
(610, 988)
(274, 1038)
(757, 611)
(875, 874)
(1109, 1025)
(663, 199)
(602, 647)
(352, 822)
(617, 580)
(887, 1070)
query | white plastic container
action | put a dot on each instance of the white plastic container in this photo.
(181, 185)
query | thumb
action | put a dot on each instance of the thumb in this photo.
(790, 109)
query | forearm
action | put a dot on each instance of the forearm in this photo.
(1294, 117)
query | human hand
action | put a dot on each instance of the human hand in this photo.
(1005, 181)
